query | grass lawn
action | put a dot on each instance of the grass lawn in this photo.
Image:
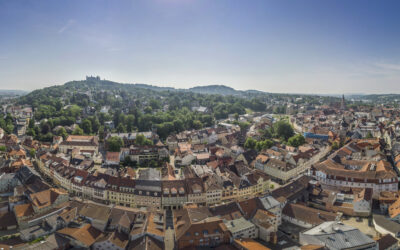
(281, 117)
(249, 111)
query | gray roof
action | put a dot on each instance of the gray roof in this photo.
(386, 223)
(148, 185)
(269, 202)
(336, 235)
(238, 225)
(7, 176)
(149, 174)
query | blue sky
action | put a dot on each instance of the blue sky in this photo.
(277, 46)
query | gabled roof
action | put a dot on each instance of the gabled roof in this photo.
(86, 234)
(249, 207)
(228, 211)
(23, 210)
(307, 214)
(46, 198)
(118, 239)
(122, 217)
(95, 211)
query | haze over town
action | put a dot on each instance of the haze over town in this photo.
(199, 124)
(272, 46)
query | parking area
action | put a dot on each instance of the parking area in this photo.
(361, 224)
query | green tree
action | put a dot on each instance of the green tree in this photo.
(296, 140)
(87, 126)
(121, 128)
(261, 145)
(101, 133)
(155, 104)
(369, 135)
(250, 143)
(115, 143)
(62, 132)
(335, 145)
(148, 110)
(197, 124)
(31, 132)
(266, 133)
(32, 152)
(31, 123)
(142, 140)
(128, 162)
(77, 131)
(283, 130)
(95, 124)
(45, 128)
(3, 148)
(3, 123)
(130, 123)
(244, 126)
(9, 128)
(46, 137)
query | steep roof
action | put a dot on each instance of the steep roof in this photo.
(95, 211)
(85, 234)
(46, 198)
(394, 209)
(23, 210)
(307, 214)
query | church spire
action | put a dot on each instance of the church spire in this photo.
(342, 103)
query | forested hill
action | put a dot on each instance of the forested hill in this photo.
(131, 107)
(215, 89)
(93, 83)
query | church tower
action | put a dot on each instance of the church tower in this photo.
(342, 104)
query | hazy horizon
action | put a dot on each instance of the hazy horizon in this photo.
(312, 47)
(321, 94)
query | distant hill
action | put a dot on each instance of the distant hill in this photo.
(13, 92)
(92, 83)
(215, 89)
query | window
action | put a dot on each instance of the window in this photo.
(205, 232)
(196, 234)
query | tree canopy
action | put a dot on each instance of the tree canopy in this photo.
(283, 130)
(115, 144)
(296, 140)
